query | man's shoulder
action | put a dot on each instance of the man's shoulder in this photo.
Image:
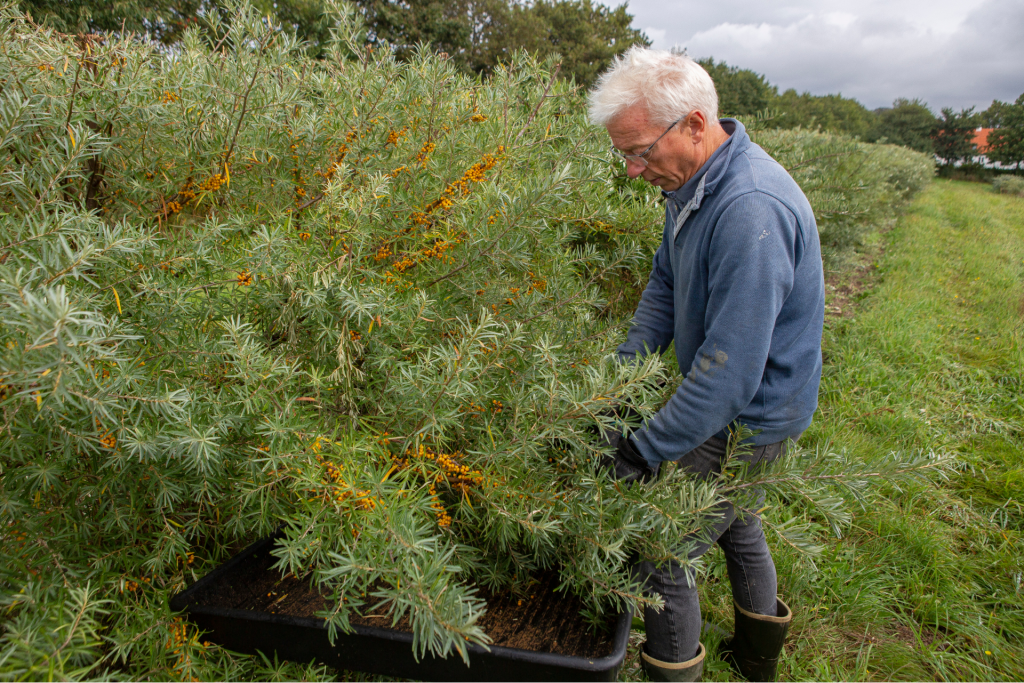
(759, 170)
(754, 171)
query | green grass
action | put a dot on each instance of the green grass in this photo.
(926, 584)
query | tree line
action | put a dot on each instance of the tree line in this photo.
(908, 122)
(478, 35)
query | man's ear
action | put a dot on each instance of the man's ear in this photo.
(698, 126)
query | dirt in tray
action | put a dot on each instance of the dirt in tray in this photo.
(541, 621)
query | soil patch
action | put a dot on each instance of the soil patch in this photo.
(844, 288)
(845, 285)
(542, 620)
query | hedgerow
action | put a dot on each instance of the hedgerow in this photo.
(855, 187)
(366, 303)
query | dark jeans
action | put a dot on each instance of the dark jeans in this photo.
(673, 633)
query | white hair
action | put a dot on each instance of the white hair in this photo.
(668, 84)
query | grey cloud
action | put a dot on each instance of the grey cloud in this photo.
(874, 51)
(987, 58)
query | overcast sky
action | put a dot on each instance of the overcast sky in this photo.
(949, 53)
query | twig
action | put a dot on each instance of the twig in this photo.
(512, 225)
(311, 202)
(71, 100)
(540, 102)
(467, 264)
(245, 102)
(74, 626)
(437, 398)
(54, 556)
(433, 107)
(9, 245)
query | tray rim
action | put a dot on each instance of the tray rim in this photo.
(180, 603)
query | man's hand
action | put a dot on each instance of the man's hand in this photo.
(627, 465)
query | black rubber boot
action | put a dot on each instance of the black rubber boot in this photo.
(673, 671)
(755, 646)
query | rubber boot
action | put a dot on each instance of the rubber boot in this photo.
(757, 642)
(673, 671)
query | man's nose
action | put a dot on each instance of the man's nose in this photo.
(634, 168)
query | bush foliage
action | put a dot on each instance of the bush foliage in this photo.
(242, 288)
(1008, 184)
(365, 301)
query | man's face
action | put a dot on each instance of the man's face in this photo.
(675, 158)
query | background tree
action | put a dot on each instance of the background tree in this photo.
(454, 28)
(993, 116)
(587, 35)
(308, 19)
(476, 35)
(832, 113)
(909, 123)
(953, 136)
(479, 35)
(1006, 143)
(159, 18)
(741, 92)
(166, 20)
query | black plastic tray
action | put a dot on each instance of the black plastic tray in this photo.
(382, 651)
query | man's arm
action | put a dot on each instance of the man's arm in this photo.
(752, 261)
(653, 323)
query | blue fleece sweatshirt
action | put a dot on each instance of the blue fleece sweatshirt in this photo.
(738, 284)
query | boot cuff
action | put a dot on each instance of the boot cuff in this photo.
(784, 614)
(675, 665)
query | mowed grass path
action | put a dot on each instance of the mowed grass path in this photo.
(927, 583)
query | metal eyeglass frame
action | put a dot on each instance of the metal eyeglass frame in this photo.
(641, 158)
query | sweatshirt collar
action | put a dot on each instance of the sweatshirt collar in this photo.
(714, 168)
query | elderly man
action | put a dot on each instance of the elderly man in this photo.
(737, 284)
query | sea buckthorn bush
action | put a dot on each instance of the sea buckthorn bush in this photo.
(354, 297)
(366, 303)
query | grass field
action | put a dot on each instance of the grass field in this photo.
(926, 584)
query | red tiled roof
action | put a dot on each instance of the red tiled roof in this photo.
(980, 139)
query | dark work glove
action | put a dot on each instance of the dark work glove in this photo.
(627, 465)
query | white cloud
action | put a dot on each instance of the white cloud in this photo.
(947, 52)
(840, 19)
(749, 38)
(657, 35)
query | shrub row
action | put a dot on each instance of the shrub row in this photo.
(854, 187)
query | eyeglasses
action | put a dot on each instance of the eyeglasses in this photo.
(641, 158)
